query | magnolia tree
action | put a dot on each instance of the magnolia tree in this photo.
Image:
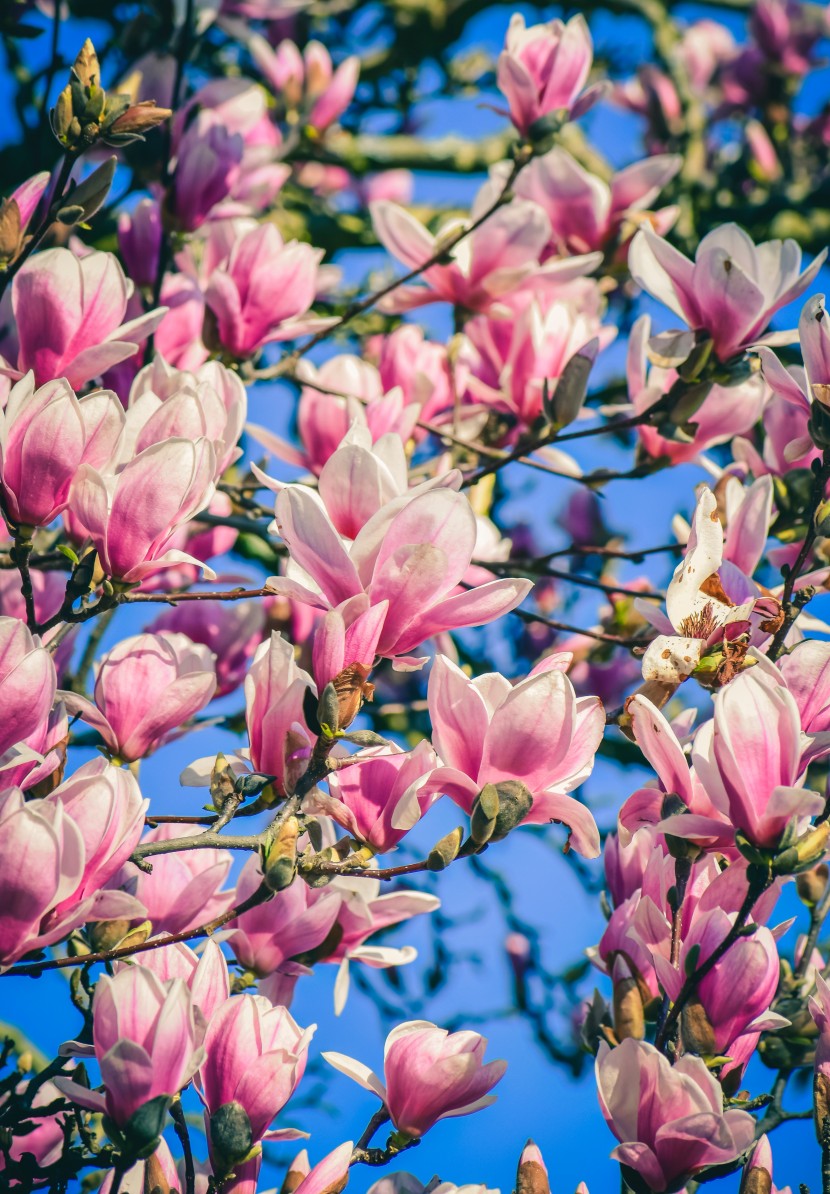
(184, 231)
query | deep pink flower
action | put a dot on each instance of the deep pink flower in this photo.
(274, 692)
(139, 241)
(381, 796)
(429, 1075)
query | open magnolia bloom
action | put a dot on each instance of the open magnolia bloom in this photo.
(700, 614)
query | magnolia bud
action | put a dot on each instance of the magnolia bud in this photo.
(230, 1135)
(352, 690)
(10, 232)
(514, 804)
(154, 1180)
(563, 406)
(293, 1177)
(141, 1135)
(86, 67)
(279, 856)
(483, 816)
(532, 1174)
(812, 884)
(757, 1173)
(696, 1032)
(445, 851)
(629, 1020)
(807, 851)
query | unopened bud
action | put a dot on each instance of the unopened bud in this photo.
(10, 232)
(696, 1031)
(297, 1172)
(812, 884)
(108, 934)
(352, 689)
(807, 851)
(532, 1174)
(137, 120)
(483, 816)
(279, 857)
(515, 801)
(445, 851)
(61, 115)
(231, 1136)
(757, 1174)
(629, 1020)
(563, 406)
(86, 67)
(154, 1180)
(328, 711)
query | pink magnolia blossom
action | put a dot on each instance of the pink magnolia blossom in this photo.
(346, 636)
(206, 977)
(364, 911)
(69, 312)
(165, 402)
(668, 1118)
(726, 412)
(105, 803)
(145, 1040)
(411, 555)
(231, 632)
(139, 241)
(255, 1057)
(184, 889)
(496, 258)
(207, 165)
(27, 684)
(307, 81)
(736, 995)
(420, 367)
(296, 921)
(429, 1074)
(731, 290)
(179, 335)
(47, 745)
(343, 391)
(274, 692)
(543, 70)
(380, 796)
(52, 864)
(132, 515)
(526, 345)
(146, 687)
(806, 670)
(45, 435)
(749, 757)
(585, 212)
(332, 1173)
(537, 732)
(263, 291)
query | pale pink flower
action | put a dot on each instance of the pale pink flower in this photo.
(69, 312)
(27, 684)
(543, 70)
(411, 555)
(205, 976)
(184, 889)
(45, 435)
(44, 1143)
(307, 81)
(668, 1118)
(132, 515)
(231, 632)
(731, 290)
(429, 1074)
(275, 689)
(537, 732)
(146, 687)
(329, 1174)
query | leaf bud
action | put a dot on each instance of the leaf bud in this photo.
(812, 884)
(445, 851)
(484, 813)
(279, 856)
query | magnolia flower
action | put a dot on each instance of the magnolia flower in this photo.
(538, 732)
(543, 70)
(668, 1118)
(699, 613)
(206, 976)
(410, 557)
(494, 260)
(307, 80)
(731, 290)
(429, 1075)
(69, 312)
